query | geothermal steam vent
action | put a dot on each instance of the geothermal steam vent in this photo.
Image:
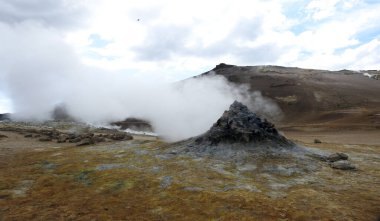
(239, 125)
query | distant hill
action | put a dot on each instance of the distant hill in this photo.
(307, 96)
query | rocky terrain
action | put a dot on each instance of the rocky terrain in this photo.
(81, 137)
(320, 162)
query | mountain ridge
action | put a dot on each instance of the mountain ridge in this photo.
(337, 98)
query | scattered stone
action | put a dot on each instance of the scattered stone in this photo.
(85, 141)
(45, 139)
(156, 169)
(48, 166)
(337, 157)
(317, 141)
(72, 136)
(121, 136)
(343, 165)
(241, 187)
(166, 181)
(103, 167)
(3, 136)
(84, 178)
(98, 139)
(141, 152)
(246, 167)
(75, 140)
(22, 188)
(62, 138)
(87, 135)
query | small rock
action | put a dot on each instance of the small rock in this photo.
(49, 166)
(75, 140)
(342, 165)
(111, 166)
(72, 136)
(28, 135)
(241, 187)
(317, 141)
(62, 138)
(87, 135)
(22, 188)
(166, 181)
(121, 136)
(156, 169)
(85, 141)
(98, 139)
(3, 136)
(45, 139)
(84, 177)
(337, 156)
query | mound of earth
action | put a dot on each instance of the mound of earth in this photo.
(241, 136)
(240, 125)
(237, 135)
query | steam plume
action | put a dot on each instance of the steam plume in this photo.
(46, 73)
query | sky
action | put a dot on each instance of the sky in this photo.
(170, 40)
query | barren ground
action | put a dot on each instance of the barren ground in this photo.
(132, 180)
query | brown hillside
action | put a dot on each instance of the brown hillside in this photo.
(308, 96)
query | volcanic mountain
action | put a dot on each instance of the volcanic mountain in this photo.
(337, 99)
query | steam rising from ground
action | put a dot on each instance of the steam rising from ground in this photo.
(47, 73)
(176, 111)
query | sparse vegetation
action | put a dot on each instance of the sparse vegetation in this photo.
(135, 178)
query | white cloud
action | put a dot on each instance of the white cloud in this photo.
(169, 40)
(171, 36)
(320, 9)
(194, 32)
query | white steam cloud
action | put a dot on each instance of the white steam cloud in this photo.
(41, 71)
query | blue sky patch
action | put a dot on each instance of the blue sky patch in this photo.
(97, 41)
